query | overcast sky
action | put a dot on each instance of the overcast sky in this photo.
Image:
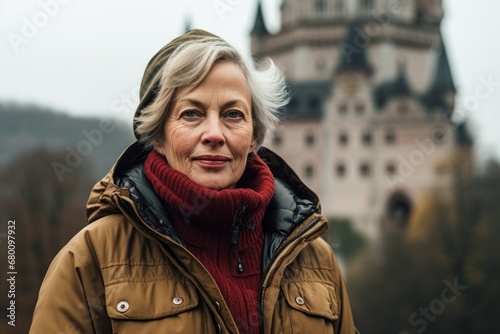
(87, 57)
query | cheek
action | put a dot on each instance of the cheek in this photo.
(177, 141)
(244, 146)
(251, 139)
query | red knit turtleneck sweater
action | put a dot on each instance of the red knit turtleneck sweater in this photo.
(208, 222)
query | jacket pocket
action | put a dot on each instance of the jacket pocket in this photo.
(154, 307)
(312, 307)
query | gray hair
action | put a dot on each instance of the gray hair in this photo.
(188, 66)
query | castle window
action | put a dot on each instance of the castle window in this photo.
(360, 108)
(366, 5)
(438, 136)
(314, 102)
(309, 171)
(310, 139)
(343, 108)
(340, 170)
(390, 169)
(390, 137)
(294, 103)
(320, 6)
(364, 169)
(277, 139)
(320, 64)
(343, 139)
(367, 138)
(339, 6)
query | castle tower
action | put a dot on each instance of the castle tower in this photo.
(372, 97)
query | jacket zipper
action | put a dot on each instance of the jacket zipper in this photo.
(235, 235)
(267, 273)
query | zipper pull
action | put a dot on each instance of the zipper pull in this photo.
(234, 241)
(240, 264)
(238, 217)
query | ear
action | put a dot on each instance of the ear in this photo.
(253, 145)
(158, 146)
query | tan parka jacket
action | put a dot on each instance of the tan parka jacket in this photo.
(127, 272)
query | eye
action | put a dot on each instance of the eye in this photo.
(189, 114)
(234, 114)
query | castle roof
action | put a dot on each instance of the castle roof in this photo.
(462, 134)
(259, 27)
(187, 24)
(441, 83)
(394, 88)
(443, 79)
(307, 99)
(353, 53)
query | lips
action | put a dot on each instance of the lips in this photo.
(212, 161)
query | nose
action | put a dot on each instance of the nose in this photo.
(212, 134)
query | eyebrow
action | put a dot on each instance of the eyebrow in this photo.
(201, 105)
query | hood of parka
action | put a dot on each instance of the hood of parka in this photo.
(151, 78)
(127, 187)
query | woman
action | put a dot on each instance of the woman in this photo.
(192, 231)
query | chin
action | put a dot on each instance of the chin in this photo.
(215, 184)
(218, 186)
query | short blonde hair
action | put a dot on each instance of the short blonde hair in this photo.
(188, 66)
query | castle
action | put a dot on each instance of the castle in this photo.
(368, 127)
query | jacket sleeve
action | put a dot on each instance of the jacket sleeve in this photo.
(70, 298)
(345, 323)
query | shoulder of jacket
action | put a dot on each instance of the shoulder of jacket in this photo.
(319, 251)
(318, 257)
(321, 245)
(102, 236)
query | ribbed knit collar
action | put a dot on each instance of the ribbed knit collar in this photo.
(199, 213)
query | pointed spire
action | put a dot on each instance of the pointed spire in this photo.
(401, 86)
(442, 84)
(462, 134)
(187, 23)
(259, 28)
(394, 88)
(352, 50)
(443, 80)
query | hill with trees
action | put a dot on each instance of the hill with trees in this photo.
(49, 162)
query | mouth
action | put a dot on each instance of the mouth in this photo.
(211, 161)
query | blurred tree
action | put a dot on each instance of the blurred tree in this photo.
(47, 214)
(347, 242)
(441, 273)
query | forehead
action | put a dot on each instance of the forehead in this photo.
(223, 77)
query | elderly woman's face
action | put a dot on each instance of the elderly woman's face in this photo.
(209, 130)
